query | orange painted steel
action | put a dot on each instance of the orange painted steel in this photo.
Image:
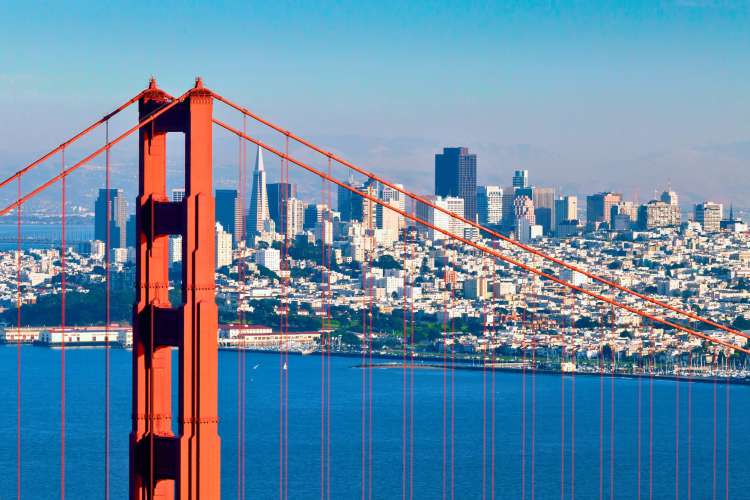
(476, 225)
(187, 465)
(482, 248)
(70, 141)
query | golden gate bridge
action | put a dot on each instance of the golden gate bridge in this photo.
(186, 464)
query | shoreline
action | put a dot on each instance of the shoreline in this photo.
(423, 363)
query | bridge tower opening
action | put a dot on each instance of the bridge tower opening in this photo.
(186, 465)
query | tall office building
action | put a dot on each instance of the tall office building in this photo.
(440, 219)
(278, 194)
(521, 179)
(362, 209)
(229, 213)
(709, 214)
(544, 207)
(599, 206)
(656, 213)
(523, 208)
(314, 215)
(114, 200)
(566, 208)
(257, 214)
(346, 200)
(490, 204)
(456, 175)
(295, 217)
(508, 215)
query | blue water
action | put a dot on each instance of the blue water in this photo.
(84, 431)
(44, 235)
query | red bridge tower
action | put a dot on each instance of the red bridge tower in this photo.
(186, 465)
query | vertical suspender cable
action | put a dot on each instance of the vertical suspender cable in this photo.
(107, 299)
(492, 410)
(562, 400)
(713, 474)
(412, 252)
(323, 295)
(574, 355)
(640, 421)
(612, 409)
(484, 399)
(363, 349)
(601, 409)
(405, 342)
(62, 335)
(677, 431)
(523, 402)
(453, 392)
(445, 389)
(690, 426)
(727, 429)
(329, 248)
(18, 342)
(652, 348)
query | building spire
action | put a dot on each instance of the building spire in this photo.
(259, 166)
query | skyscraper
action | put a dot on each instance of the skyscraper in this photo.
(521, 179)
(544, 207)
(456, 175)
(346, 200)
(440, 219)
(490, 204)
(175, 240)
(278, 196)
(257, 213)
(229, 213)
(118, 213)
(709, 214)
(599, 206)
(656, 213)
(566, 208)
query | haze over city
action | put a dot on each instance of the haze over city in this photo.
(586, 96)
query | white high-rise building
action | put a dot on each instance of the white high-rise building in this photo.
(257, 214)
(269, 258)
(175, 249)
(175, 242)
(389, 223)
(295, 217)
(223, 247)
(490, 204)
(709, 214)
(439, 218)
(178, 194)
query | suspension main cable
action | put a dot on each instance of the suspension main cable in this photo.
(476, 225)
(486, 249)
(70, 141)
(64, 173)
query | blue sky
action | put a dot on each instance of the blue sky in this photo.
(569, 89)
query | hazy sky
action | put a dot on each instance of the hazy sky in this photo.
(587, 94)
